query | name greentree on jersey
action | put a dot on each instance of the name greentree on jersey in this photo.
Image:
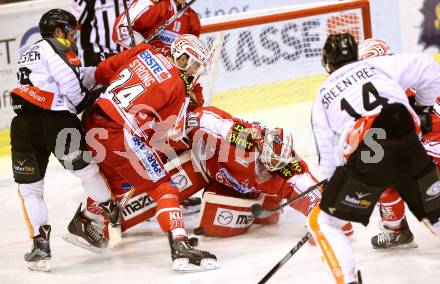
(345, 80)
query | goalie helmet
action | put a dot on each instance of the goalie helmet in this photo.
(276, 149)
(372, 47)
(194, 48)
(339, 49)
(56, 18)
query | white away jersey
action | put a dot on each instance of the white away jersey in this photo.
(49, 75)
(361, 88)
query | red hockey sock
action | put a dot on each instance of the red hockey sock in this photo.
(168, 212)
(392, 208)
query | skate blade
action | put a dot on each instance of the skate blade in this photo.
(402, 246)
(77, 241)
(42, 265)
(183, 265)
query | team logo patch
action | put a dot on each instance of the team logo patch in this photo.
(233, 218)
(167, 37)
(433, 191)
(146, 157)
(294, 167)
(225, 218)
(181, 180)
(72, 58)
(137, 205)
(223, 176)
(155, 66)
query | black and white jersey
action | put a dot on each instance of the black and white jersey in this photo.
(361, 89)
(50, 76)
(96, 18)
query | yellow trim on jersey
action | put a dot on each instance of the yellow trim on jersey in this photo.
(5, 146)
(268, 95)
(63, 41)
(324, 245)
(26, 216)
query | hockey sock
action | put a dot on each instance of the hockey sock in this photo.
(34, 206)
(392, 209)
(168, 213)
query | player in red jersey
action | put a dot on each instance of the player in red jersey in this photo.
(148, 15)
(146, 89)
(233, 180)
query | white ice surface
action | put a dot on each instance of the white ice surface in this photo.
(144, 257)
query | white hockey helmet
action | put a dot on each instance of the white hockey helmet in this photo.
(194, 48)
(372, 47)
(276, 149)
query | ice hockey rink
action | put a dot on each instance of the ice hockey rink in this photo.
(144, 257)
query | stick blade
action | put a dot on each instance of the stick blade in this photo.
(259, 212)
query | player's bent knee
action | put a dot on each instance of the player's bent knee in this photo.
(429, 191)
(93, 183)
(88, 171)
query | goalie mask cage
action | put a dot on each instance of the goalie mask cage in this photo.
(267, 63)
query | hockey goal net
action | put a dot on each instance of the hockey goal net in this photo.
(267, 66)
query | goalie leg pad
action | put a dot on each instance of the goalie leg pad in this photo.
(225, 216)
(349, 199)
(185, 176)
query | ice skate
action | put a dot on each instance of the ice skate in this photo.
(83, 233)
(186, 258)
(390, 239)
(113, 211)
(38, 258)
(359, 277)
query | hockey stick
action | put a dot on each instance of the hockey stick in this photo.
(169, 21)
(283, 261)
(259, 212)
(130, 27)
(115, 233)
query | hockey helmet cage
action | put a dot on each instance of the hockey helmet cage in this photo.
(56, 18)
(276, 149)
(194, 48)
(339, 49)
(372, 47)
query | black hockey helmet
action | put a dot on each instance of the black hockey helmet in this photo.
(339, 49)
(56, 18)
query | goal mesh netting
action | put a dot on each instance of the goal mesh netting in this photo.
(268, 64)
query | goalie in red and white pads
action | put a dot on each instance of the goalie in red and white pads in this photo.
(246, 164)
